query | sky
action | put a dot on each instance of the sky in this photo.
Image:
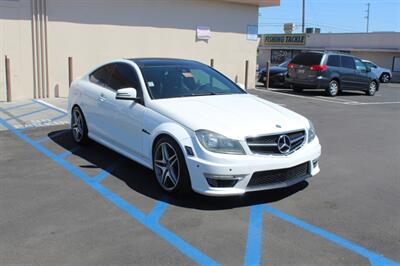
(332, 15)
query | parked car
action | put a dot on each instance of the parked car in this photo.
(276, 75)
(384, 74)
(331, 72)
(194, 127)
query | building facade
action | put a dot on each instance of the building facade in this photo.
(38, 36)
(381, 47)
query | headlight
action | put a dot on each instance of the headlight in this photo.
(311, 132)
(217, 143)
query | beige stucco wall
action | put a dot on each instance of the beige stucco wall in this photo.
(15, 42)
(94, 31)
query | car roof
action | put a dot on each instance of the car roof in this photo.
(149, 62)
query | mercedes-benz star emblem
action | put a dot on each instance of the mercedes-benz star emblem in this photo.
(284, 144)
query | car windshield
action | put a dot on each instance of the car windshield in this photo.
(307, 59)
(171, 81)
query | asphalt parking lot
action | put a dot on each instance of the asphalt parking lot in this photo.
(66, 205)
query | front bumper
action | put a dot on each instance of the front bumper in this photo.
(244, 166)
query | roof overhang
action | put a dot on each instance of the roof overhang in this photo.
(256, 2)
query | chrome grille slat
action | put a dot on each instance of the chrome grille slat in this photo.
(268, 144)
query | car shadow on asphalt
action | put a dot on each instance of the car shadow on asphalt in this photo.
(142, 180)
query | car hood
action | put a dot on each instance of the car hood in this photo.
(235, 116)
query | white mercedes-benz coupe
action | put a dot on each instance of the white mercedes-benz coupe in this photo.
(194, 127)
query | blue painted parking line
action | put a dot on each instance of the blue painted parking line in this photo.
(157, 211)
(27, 114)
(104, 173)
(67, 153)
(374, 258)
(19, 106)
(181, 245)
(254, 236)
(151, 221)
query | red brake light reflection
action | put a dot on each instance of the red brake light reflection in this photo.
(290, 66)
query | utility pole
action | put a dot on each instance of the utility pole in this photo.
(367, 17)
(303, 16)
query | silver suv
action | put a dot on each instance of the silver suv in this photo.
(384, 74)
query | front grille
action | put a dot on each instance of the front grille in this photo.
(269, 144)
(278, 176)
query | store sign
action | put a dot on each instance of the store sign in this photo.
(203, 32)
(285, 39)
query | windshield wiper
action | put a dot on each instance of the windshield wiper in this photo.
(200, 94)
(204, 94)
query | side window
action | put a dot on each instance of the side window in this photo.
(334, 60)
(348, 62)
(102, 75)
(360, 65)
(124, 76)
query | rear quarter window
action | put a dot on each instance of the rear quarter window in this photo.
(308, 59)
(333, 60)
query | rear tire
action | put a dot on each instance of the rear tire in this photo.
(170, 167)
(373, 86)
(295, 88)
(333, 88)
(78, 126)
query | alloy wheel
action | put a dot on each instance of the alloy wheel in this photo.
(385, 78)
(372, 88)
(166, 164)
(77, 125)
(333, 88)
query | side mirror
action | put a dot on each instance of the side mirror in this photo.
(241, 86)
(129, 94)
(368, 69)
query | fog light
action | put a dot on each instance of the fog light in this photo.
(315, 162)
(223, 180)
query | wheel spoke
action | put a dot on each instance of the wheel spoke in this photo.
(164, 151)
(172, 177)
(173, 159)
(164, 177)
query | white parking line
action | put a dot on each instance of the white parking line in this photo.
(51, 106)
(326, 99)
(373, 103)
(303, 97)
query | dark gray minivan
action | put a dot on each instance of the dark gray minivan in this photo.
(331, 72)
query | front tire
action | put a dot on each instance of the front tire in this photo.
(373, 86)
(385, 78)
(78, 126)
(333, 88)
(170, 167)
